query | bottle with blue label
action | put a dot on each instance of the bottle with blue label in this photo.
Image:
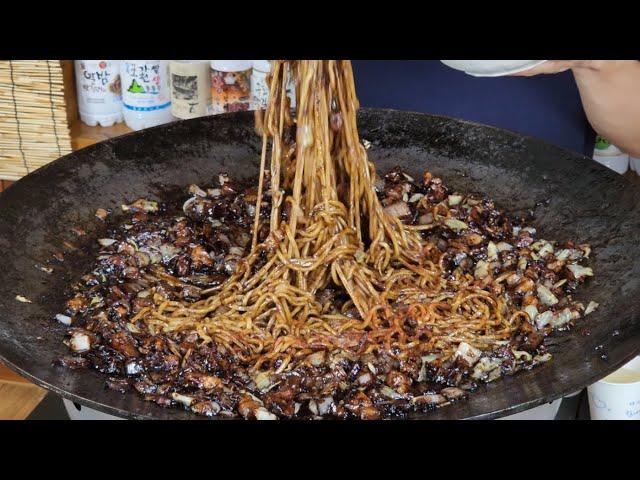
(146, 93)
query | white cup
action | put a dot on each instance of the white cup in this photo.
(617, 397)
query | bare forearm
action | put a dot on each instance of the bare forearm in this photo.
(610, 92)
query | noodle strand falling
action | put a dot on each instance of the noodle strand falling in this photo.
(328, 229)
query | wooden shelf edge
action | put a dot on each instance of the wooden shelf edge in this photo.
(83, 135)
(8, 375)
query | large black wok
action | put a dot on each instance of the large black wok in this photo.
(573, 198)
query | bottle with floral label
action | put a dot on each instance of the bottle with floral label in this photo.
(146, 93)
(230, 85)
(99, 91)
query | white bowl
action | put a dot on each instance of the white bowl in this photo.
(492, 68)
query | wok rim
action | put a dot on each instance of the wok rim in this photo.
(490, 413)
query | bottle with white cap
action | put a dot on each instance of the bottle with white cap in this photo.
(99, 90)
(230, 85)
(190, 88)
(610, 156)
(146, 93)
(259, 88)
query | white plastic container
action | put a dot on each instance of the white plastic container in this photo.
(99, 92)
(80, 412)
(610, 156)
(259, 88)
(190, 88)
(230, 85)
(547, 411)
(618, 163)
(617, 397)
(146, 93)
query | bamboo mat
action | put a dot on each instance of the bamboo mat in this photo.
(34, 128)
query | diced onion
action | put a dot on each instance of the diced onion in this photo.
(316, 359)
(183, 399)
(504, 246)
(484, 366)
(80, 342)
(390, 392)
(187, 204)
(492, 251)
(482, 270)
(544, 319)
(522, 264)
(546, 296)
(468, 353)
(325, 405)
(455, 224)
(532, 311)
(262, 380)
(106, 242)
(454, 200)
(196, 190)
(519, 354)
(591, 307)
(398, 209)
(546, 249)
(64, 319)
(264, 414)
(133, 368)
(579, 271)
(563, 317)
